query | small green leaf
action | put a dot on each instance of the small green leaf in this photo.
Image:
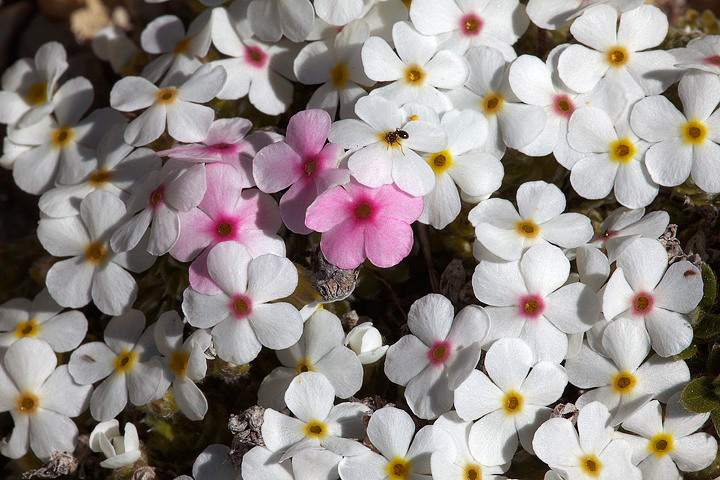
(707, 326)
(709, 288)
(715, 415)
(689, 352)
(699, 396)
(713, 361)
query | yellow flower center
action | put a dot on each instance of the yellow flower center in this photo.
(492, 103)
(363, 210)
(339, 75)
(310, 167)
(27, 403)
(182, 46)
(617, 56)
(591, 465)
(240, 306)
(661, 444)
(622, 150)
(623, 382)
(166, 95)
(96, 253)
(414, 75)
(473, 472)
(178, 363)
(512, 403)
(62, 136)
(224, 229)
(303, 366)
(125, 361)
(527, 228)
(398, 469)
(100, 178)
(694, 132)
(27, 329)
(440, 161)
(37, 94)
(315, 429)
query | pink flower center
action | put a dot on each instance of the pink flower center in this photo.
(240, 306)
(221, 147)
(255, 57)
(157, 197)
(439, 352)
(531, 306)
(471, 25)
(563, 106)
(714, 60)
(642, 303)
(225, 229)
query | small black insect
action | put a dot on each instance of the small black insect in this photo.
(392, 138)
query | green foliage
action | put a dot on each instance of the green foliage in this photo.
(709, 288)
(707, 326)
(699, 396)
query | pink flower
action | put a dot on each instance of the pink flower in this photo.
(226, 142)
(359, 222)
(226, 213)
(304, 162)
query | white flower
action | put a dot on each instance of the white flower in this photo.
(386, 140)
(263, 464)
(511, 403)
(588, 452)
(116, 167)
(41, 318)
(179, 53)
(260, 71)
(391, 432)
(183, 364)
(683, 144)
(622, 381)
(339, 12)
(63, 145)
(28, 86)
(241, 315)
(702, 53)
(94, 272)
(41, 400)
(665, 445)
(318, 424)
(461, 464)
(212, 464)
(160, 198)
(613, 158)
(120, 450)
(616, 52)
(126, 358)
(176, 106)
(507, 232)
(511, 123)
(438, 356)
(555, 14)
(321, 350)
(112, 44)
(645, 289)
(366, 341)
(460, 163)
(271, 19)
(338, 66)
(529, 299)
(623, 226)
(471, 23)
(419, 71)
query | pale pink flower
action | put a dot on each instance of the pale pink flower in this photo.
(304, 163)
(360, 222)
(227, 212)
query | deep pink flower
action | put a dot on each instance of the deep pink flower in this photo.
(303, 161)
(227, 212)
(359, 222)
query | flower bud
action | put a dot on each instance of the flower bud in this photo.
(366, 341)
(120, 450)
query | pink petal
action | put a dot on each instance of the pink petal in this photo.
(307, 132)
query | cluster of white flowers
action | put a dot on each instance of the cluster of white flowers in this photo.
(415, 105)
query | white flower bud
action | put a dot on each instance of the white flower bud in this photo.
(366, 341)
(120, 450)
